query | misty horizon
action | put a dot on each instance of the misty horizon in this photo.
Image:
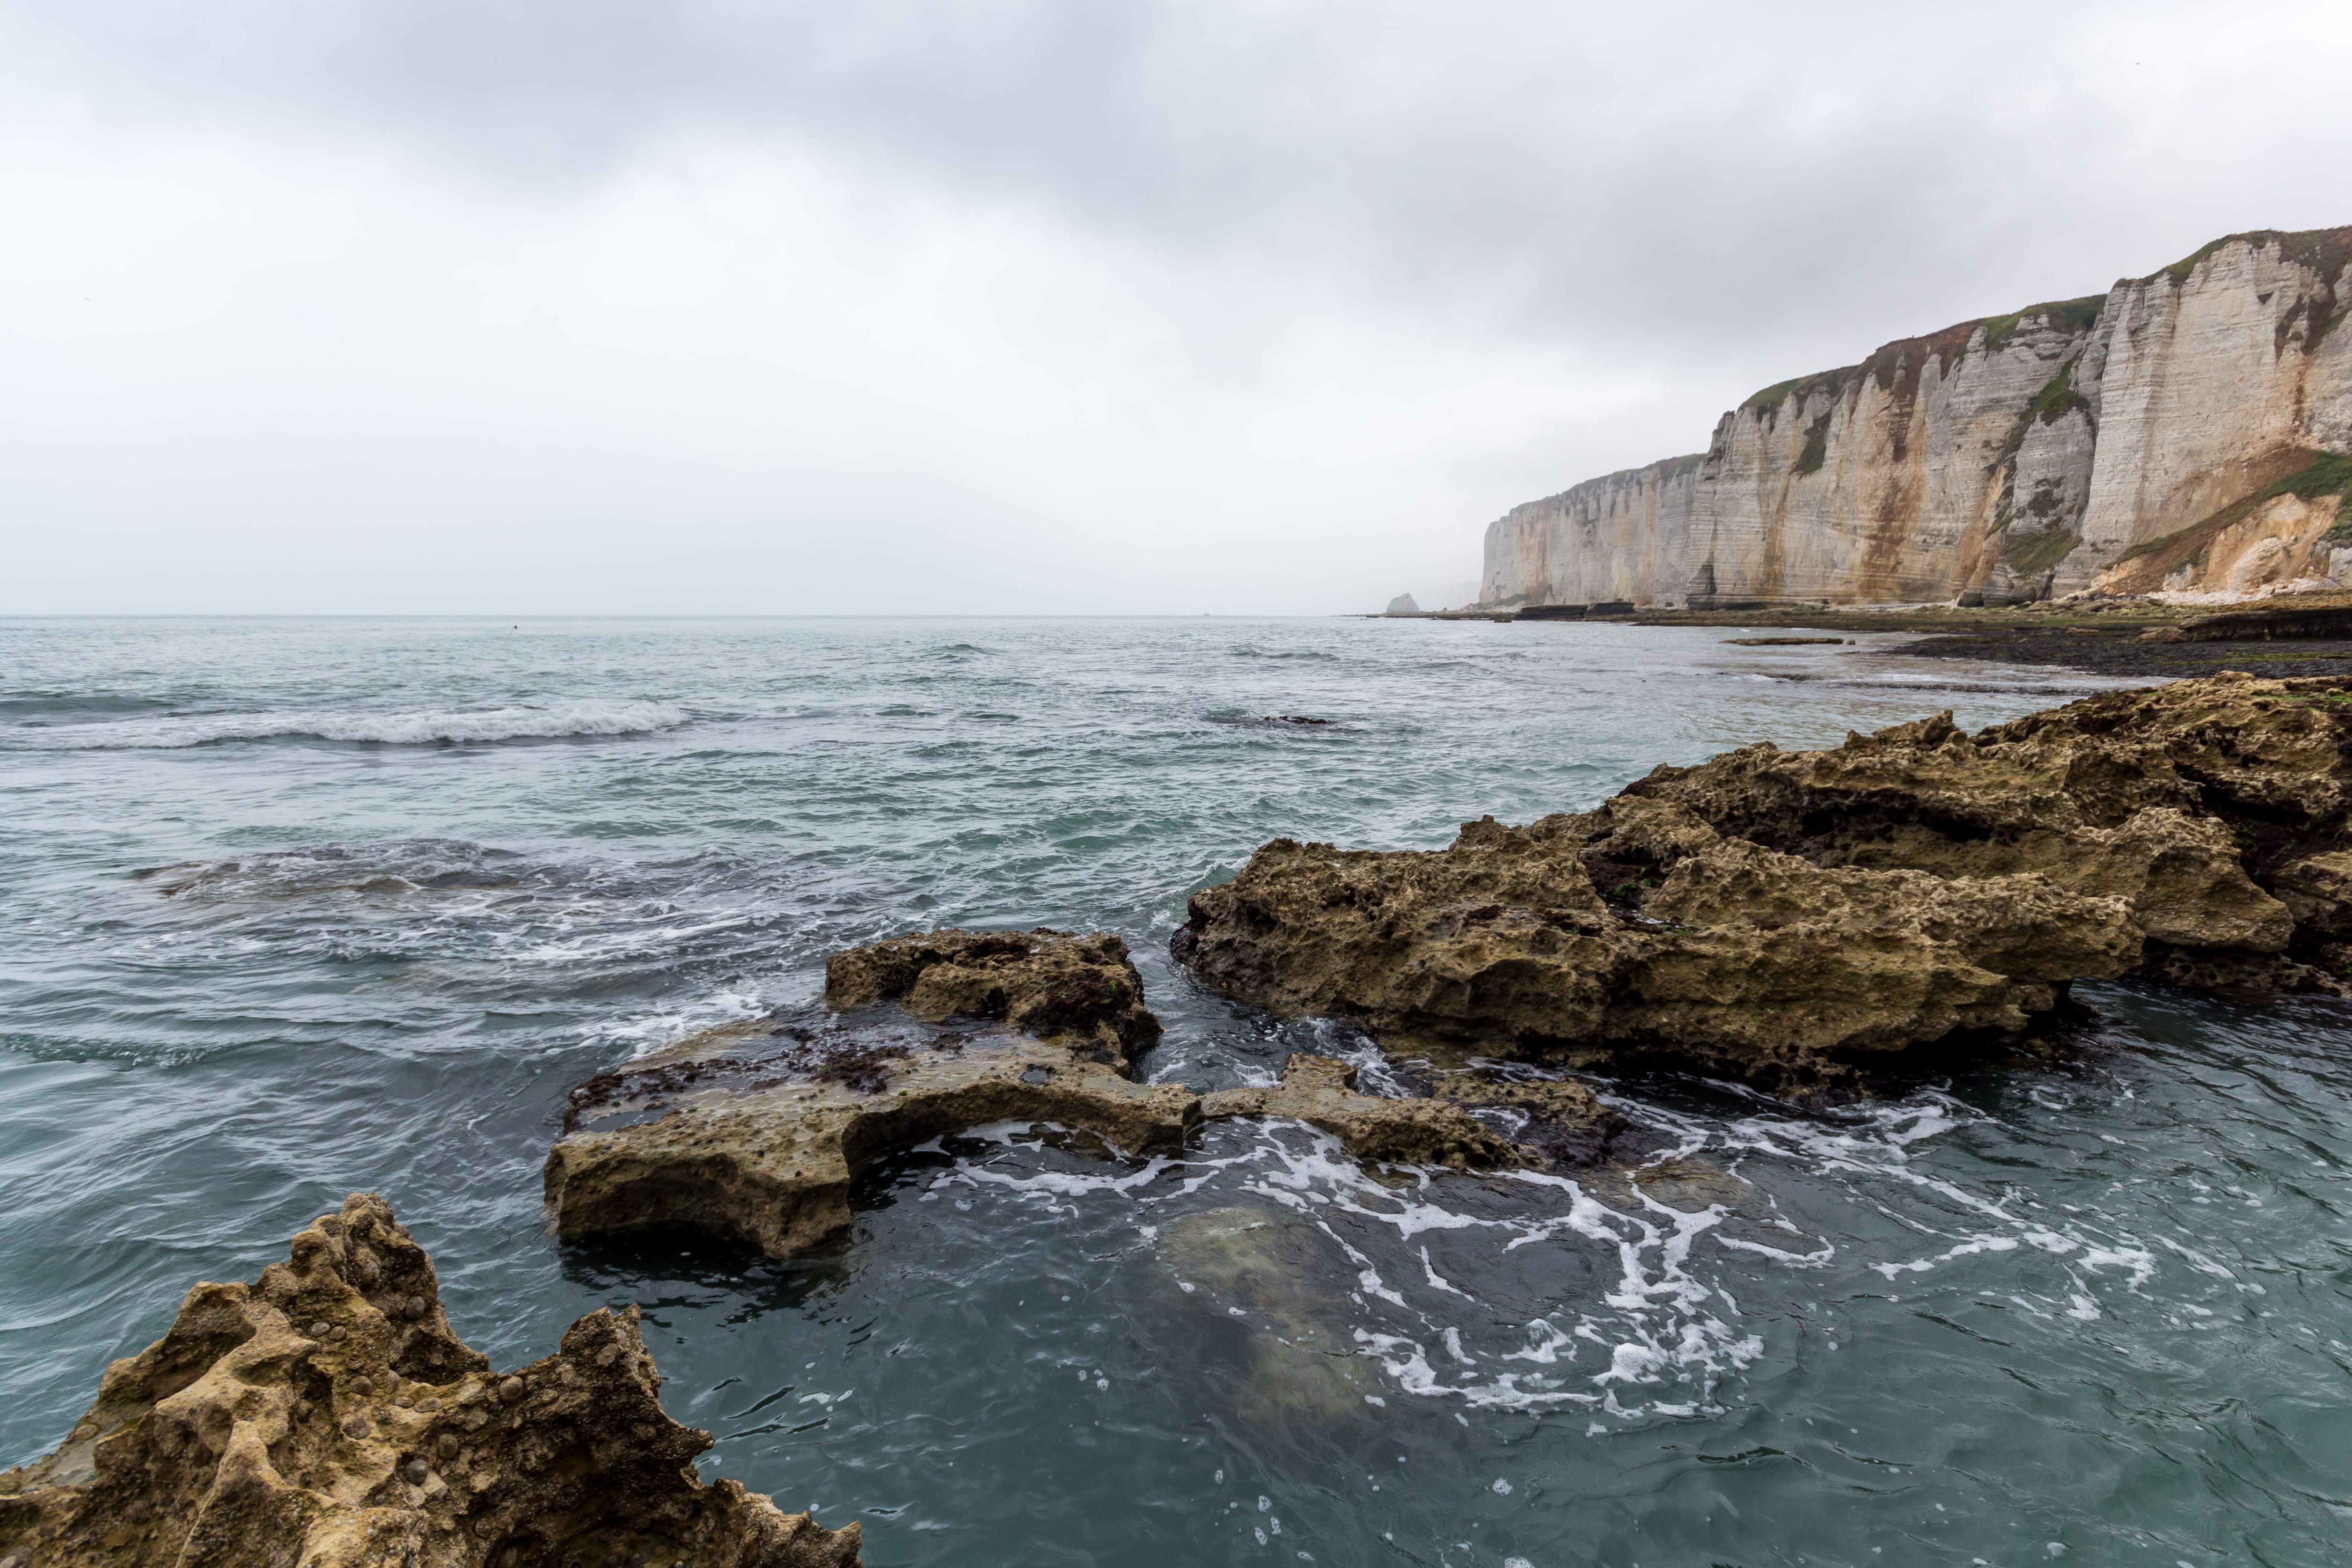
(1029, 309)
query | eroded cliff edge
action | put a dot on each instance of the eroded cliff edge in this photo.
(2189, 432)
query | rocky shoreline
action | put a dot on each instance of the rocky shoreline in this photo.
(1793, 920)
(755, 1133)
(1784, 917)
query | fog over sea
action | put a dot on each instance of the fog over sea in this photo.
(2090, 1303)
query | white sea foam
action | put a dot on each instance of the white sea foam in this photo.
(1657, 1328)
(421, 728)
(1660, 1335)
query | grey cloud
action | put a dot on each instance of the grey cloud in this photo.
(1243, 303)
(1633, 179)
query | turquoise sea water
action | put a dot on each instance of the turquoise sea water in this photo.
(2090, 1305)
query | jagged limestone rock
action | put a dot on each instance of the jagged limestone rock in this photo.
(1774, 914)
(753, 1131)
(1321, 1092)
(326, 1416)
(1740, 960)
(1044, 982)
(2195, 804)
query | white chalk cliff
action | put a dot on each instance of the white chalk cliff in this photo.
(2189, 432)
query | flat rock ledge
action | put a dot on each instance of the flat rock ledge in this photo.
(1558, 1122)
(327, 1416)
(1782, 916)
(754, 1132)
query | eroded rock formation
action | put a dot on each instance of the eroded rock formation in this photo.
(326, 1416)
(2206, 806)
(1321, 1091)
(2190, 431)
(1780, 915)
(753, 1132)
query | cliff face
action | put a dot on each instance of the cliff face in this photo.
(2185, 432)
(1621, 536)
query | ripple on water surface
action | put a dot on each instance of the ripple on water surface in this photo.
(305, 907)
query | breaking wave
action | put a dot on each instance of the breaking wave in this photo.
(426, 728)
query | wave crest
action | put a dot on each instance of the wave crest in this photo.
(426, 728)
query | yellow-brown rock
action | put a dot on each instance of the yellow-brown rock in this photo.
(325, 1415)
(1777, 914)
(2196, 804)
(1044, 982)
(1739, 959)
(753, 1131)
(1321, 1092)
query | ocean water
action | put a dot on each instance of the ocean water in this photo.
(294, 907)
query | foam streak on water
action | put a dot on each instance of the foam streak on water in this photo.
(298, 908)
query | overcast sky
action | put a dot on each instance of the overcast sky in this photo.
(540, 306)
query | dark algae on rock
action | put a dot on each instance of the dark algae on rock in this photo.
(1782, 916)
(326, 1417)
(754, 1131)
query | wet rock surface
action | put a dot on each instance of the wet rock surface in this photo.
(327, 1416)
(2119, 644)
(1052, 984)
(1780, 915)
(1711, 950)
(1321, 1091)
(754, 1131)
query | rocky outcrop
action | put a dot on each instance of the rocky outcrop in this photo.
(2186, 432)
(2195, 804)
(1321, 1092)
(1081, 991)
(327, 1416)
(2292, 617)
(752, 1132)
(1781, 915)
(1716, 952)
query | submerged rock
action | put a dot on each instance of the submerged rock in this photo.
(753, 1132)
(327, 1416)
(1270, 1277)
(1778, 915)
